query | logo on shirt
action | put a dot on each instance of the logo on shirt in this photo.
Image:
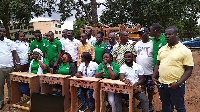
(67, 68)
(54, 45)
(8, 44)
(160, 45)
(43, 44)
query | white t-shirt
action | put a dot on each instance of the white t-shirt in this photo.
(144, 57)
(62, 42)
(6, 48)
(71, 47)
(132, 73)
(22, 49)
(88, 71)
(91, 41)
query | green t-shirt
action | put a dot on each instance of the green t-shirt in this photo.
(64, 69)
(99, 50)
(102, 68)
(157, 44)
(35, 66)
(40, 45)
(52, 50)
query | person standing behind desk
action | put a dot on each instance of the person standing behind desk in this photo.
(88, 69)
(90, 39)
(8, 59)
(99, 47)
(39, 43)
(71, 45)
(120, 48)
(174, 66)
(144, 50)
(84, 47)
(158, 39)
(108, 69)
(112, 42)
(53, 51)
(22, 49)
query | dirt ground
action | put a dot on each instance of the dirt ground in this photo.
(192, 93)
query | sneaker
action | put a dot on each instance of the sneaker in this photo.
(139, 106)
(84, 109)
(151, 109)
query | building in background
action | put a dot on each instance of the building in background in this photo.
(43, 26)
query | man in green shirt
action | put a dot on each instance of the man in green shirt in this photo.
(53, 51)
(99, 47)
(158, 39)
(39, 43)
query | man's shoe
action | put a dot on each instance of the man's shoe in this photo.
(139, 106)
(84, 109)
(151, 109)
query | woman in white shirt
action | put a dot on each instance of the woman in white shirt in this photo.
(22, 49)
(88, 69)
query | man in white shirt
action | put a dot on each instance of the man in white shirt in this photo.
(90, 39)
(71, 45)
(144, 51)
(131, 73)
(8, 58)
(64, 38)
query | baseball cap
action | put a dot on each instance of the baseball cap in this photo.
(143, 30)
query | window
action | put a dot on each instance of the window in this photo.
(59, 32)
(56, 25)
(25, 27)
(56, 32)
(59, 26)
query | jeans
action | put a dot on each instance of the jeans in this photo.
(81, 97)
(139, 96)
(176, 96)
(111, 100)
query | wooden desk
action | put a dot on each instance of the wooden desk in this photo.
(115, 86)
(16, 78)
(48, 79)
(85, 82)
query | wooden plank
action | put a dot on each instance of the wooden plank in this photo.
(74, 99)
(15, 94)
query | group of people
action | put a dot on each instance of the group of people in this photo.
(161, 60)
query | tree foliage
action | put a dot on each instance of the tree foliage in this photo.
(81, 8)
(181, 13)
(22, 11)
(78, 24)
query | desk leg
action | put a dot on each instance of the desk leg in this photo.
(130, 102)
(97, 97)
(65, 92)
(102, 101)
(74, 99)
(15, 94)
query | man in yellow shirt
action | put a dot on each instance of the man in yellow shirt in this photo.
(174, 67)
(84, 47)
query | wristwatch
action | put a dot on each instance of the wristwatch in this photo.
(179, 84)
(123, 79)
(18, 63)
(108, 66)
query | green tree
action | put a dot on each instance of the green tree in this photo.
(81, 8)
(180, 13)
(78, 24)
(21, 11)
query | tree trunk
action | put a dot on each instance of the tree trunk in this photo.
(94, 13)
(5, 24)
